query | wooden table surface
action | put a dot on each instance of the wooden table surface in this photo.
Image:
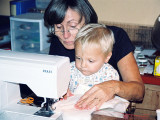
(126, 117)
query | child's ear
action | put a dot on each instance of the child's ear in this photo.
(108, 57)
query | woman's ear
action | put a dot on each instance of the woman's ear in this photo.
(108, 57)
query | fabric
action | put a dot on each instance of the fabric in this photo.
(69, 112)
(106, 73)
(121, 48)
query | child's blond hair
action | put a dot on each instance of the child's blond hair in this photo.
(96, 35)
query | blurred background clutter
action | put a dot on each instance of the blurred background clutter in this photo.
(22, 25)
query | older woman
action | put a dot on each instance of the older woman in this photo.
(64, 18)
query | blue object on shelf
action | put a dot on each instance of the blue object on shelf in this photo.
(18, 7)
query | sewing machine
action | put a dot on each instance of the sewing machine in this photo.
(47, 76)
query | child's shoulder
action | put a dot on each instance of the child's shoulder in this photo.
(107, 65)
(109, 68)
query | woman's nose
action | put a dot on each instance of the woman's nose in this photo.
(66, 34)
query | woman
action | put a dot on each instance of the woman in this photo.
(64, 18)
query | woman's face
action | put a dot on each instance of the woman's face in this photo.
(68, 29)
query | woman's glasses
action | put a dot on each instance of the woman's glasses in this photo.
(70, 30)
(71, 27)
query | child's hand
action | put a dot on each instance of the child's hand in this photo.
(68, 94)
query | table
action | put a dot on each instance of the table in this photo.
(125, 117)
(151, 101)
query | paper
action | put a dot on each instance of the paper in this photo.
(148, 69)
(148, 52)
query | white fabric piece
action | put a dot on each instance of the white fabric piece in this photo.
(69, 112)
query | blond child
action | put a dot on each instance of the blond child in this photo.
(93, 49)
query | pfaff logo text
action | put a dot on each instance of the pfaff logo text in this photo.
(47, 71)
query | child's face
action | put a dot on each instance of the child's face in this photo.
(89, 60)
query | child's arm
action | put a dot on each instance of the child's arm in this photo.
(68, 94)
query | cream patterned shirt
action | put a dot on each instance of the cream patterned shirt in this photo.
(106, 73)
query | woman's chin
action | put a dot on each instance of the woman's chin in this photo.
(69, 47)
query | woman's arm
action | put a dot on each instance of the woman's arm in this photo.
(132, 87)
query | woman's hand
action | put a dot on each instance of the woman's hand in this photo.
(97, 95)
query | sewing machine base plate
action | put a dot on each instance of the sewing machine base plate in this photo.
(44, 113)
(23, 112)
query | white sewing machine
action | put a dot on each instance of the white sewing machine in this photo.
(47, 76)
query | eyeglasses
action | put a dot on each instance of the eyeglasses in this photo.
(71, 28)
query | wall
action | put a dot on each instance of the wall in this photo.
(5, 7)
(142, 12)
